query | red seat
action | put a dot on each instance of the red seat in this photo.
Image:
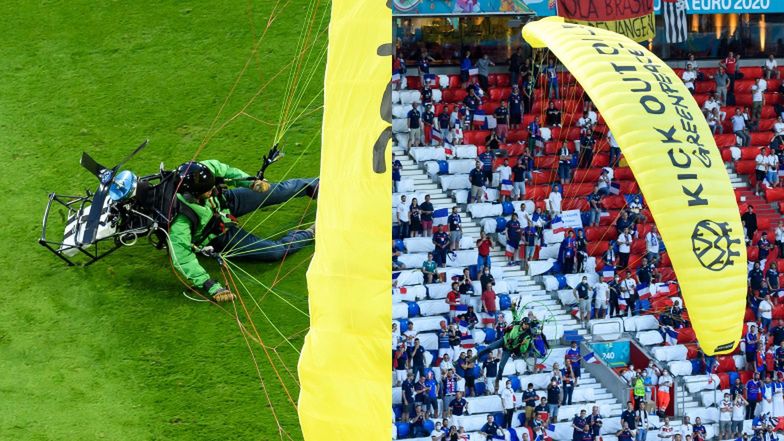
(517, 135)
(600, 233)
(724, 381)
(586, 175)
(624, 174)
(575, 204)
(544, 177)
(686, 335)
(725, 140)
(598, 248)
(546, 162)
(725, 364)
(691, 352)
(413, 83)
(745, 376)
(454, 81)
(774, 194)
(537, 192)
(577, 190)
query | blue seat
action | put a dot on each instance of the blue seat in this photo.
(516, 385)
(443, 167)
(500, 224)
(504, 302)
(499, 418)
(561, 281)
(428, 425)
(489, 335)
(402, 430)
(481, 387)
(413, 309)
(507, 208)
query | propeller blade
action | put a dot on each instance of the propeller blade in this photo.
(94, 217)
(133, 153)
(93, 167)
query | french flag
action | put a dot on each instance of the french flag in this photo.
(615, 188)
(644, 291)
(474, 71)
(608, 272)
(436, 135)
(558, 225)
(670, 336)
(591, 358)
(574, 310)
(449, 149)
(440, 216)
(402, 290)
(506, 187)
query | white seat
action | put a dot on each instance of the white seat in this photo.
(432, 307)
(454, 182)
(485, 404)
(670, 353)
(399, 310)
(640, 323)
(419, 244)
(680, 368)
(410, 277)
(649, 338)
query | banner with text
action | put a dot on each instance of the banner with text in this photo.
(632, 18)
(615, 354)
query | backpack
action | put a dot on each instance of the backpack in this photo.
(160, 202)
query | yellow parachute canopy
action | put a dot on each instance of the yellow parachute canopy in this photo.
(345, 362)
(670, 149)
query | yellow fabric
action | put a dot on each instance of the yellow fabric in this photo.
(345, 364)
(638, 94)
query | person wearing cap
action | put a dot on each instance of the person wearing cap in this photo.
(206, 219)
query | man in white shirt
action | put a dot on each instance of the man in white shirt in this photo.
(663, 395)
(554, 200)
(624, 247)
(629, 292)
(686, 428)
(601, 299)
(765, 311)
(761, 168)
(403, 216)
(739, 128)
(757, 98)
(504, 174)
(778, 126)
(653, 245)
(689, 77)
(712, 103)
(771, 68)
(772, 162)
(725, 417)
(738, 415)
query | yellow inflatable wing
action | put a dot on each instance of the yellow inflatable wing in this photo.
(670, 149)
(345, 364)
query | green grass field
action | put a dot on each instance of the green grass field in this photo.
(114, 351)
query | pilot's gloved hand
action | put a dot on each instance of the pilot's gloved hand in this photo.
(260, 185)
(223, 295)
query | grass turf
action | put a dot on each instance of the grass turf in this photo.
(114, 351)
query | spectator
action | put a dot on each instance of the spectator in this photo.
(581, 250)
(515, 107)
(477, 179)
(569, 382)
(729, 66)
(699, 430)
(689, 77)
(564, 163)
(715, 121)
(772, 280)
(653, 245)
(431, 399)
(542, 410)
(553, 399)
(490, 370)
(504, 179)
(403, 217)
(519, 175)
(626, 433)
(428, 120)
(666, 431)
(553, 202)
(738, 415)
(771, 68)
(601, 296)
(573, 358)
(488, 300)
(490, 430)
(579, 426)
(416, 354)
(567, 252)
(663, 395)
(686, 428)
(509, 403)
(587, 143)
(629, 293)
(396, 253)
(595, 423)
(615, 295)
(471, 103)
(722, 83)
(553, 115)
(418, 422)
(628, 417)
(772, 175)
(595, 210)
(725, 417)
(749, 219)
(531, 237)
(453, 300)
(502, 121)
(751, 339)
(483, 68)
(401, 363)
(465, 68)
(638, 391)
(646, 272)
(443, 122)
(535, 139)
(625, 222)
(399, 69)
(408, 397)
(778, 126)
(458, 408)
(515, 66)
(624, 247)
(757, 99)
(396, 168)
(739, 128)
(483, 246)
(415, 216)
(429, 269)
(552, 80)
(486, 277)
(756, 280)
(513, 238)
(426, 216)
(439, 432)
(604, 182)
(641, 421)
(449, 388)
(466, 285)
(615, 151)
(768, 389)
(455, 229)
(764, 247)
(414, 126)
(635, 211)
(530, 398)
(710, 104)
(581, 292)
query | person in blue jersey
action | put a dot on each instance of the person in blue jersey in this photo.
(531, 237)
(699, 431)
(579, 426)
(595, 421)
(455, 223)
(756, 280)
(751, 341)
(477, 179)
(431, 399)
(414, 126)
(465, 68)
(458, 408)
(490, 430)
(567, 253)
(766, 403)
(515, 107)
(535, 139)
(573, 357)
(396, 168)
(513, 237)
(441, 242)
(626, 433)
(424, 65)
(502, 122)
(753, 395)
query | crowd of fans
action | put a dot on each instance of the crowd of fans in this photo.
(616, 294)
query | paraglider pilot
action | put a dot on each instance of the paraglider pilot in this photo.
(206, 219)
